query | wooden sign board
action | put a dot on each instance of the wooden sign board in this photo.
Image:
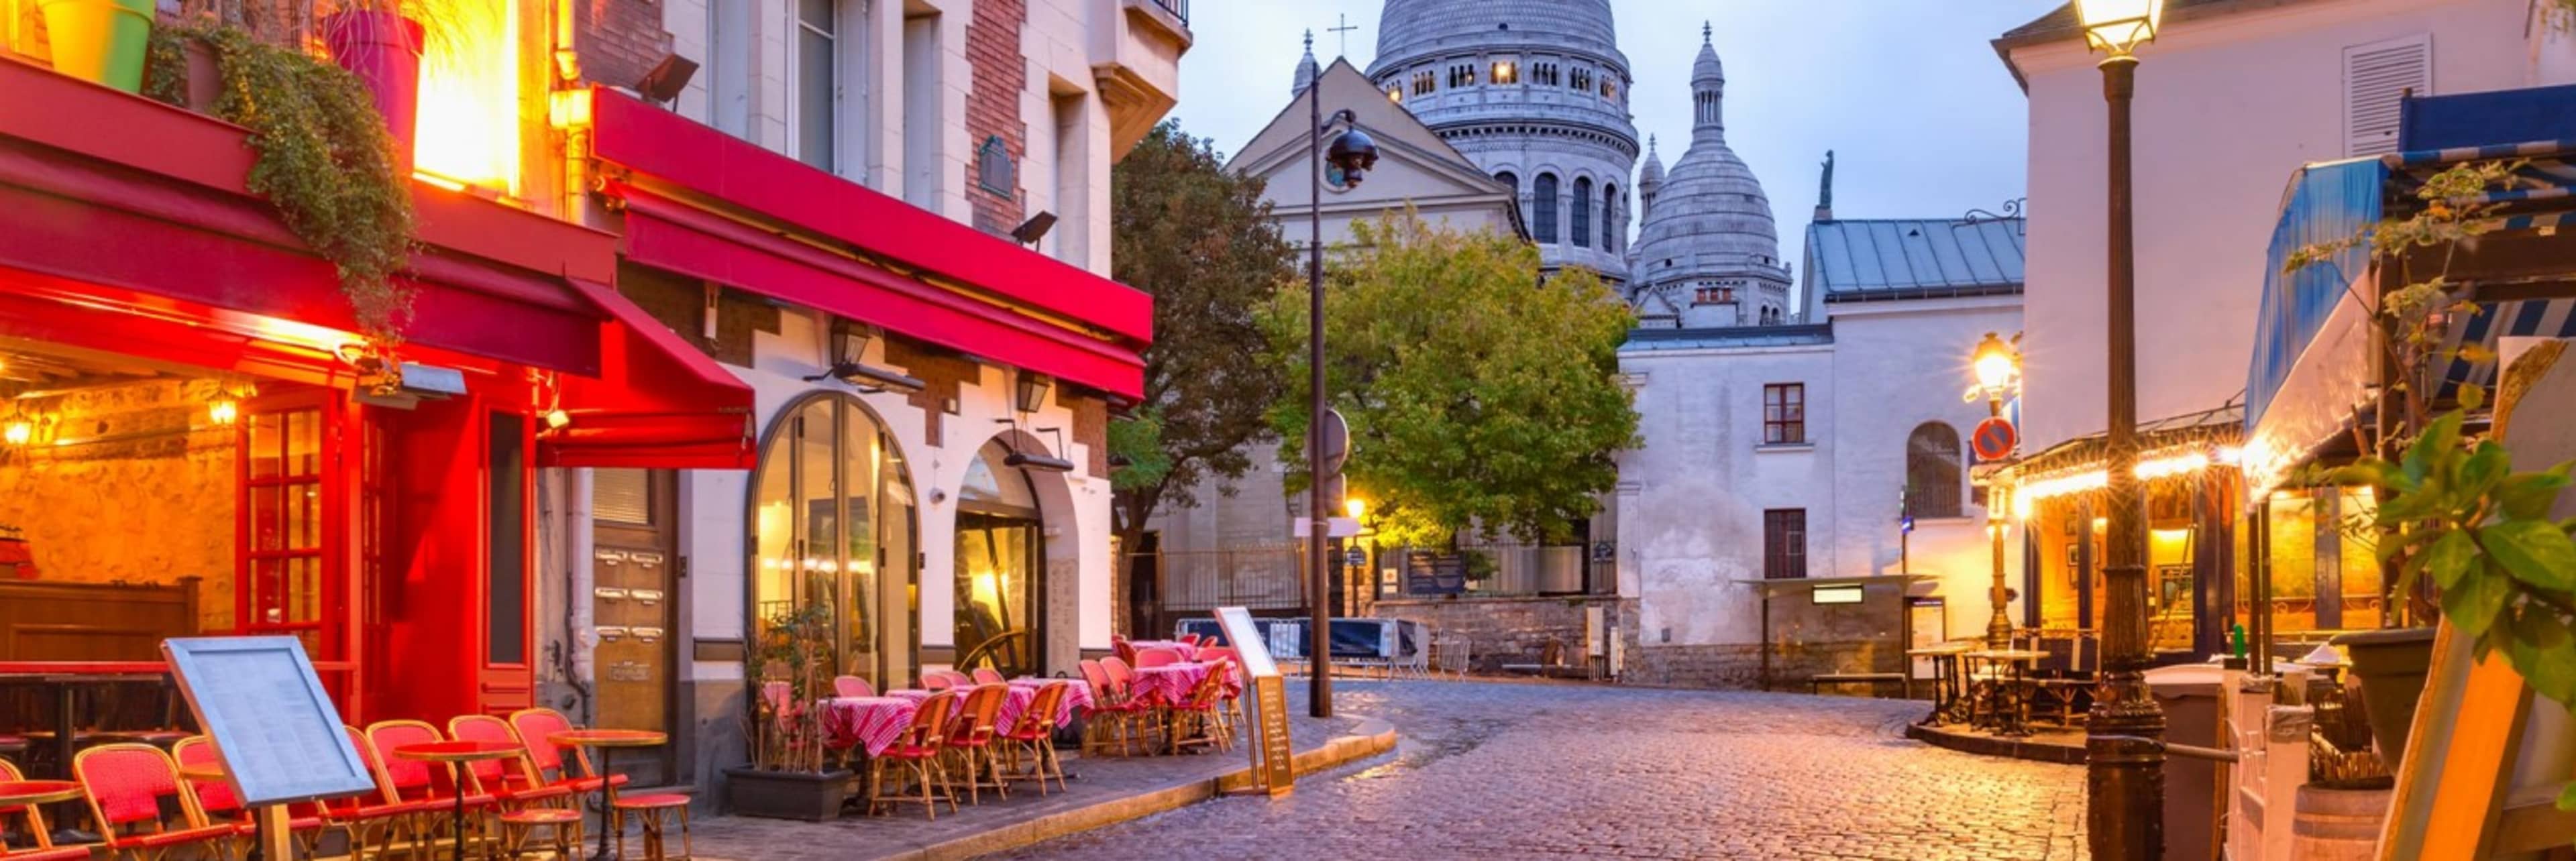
(274, 727)
(1274, 761)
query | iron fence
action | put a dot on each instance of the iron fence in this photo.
(1263, 577)
(1179, 9)
(1494, 570)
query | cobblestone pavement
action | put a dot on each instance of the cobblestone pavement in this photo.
(1502, 770)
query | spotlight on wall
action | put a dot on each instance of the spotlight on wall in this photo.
(667, 79)
(1034, 229)
(1039, 462)
(223, 410)
(557, 419)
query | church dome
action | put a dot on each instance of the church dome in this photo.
(1653, 173)
(1410, 27)
(1711, 222)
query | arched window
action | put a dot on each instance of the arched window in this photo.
(834, 531)
(1543, 208)
(1582, 226)
(1933, 471)
(1609, 217)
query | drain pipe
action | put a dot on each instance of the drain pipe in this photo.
(573, 657)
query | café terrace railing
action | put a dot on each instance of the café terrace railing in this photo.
(1179, 8)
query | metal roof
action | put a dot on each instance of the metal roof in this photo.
(1644, 340)
(1865, 259)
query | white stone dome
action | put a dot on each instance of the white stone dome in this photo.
(1410, 27)
(1711, 225)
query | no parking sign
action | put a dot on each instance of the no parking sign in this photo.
(1994, 439)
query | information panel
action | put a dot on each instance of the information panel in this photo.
(1274, 762)
(274, 726)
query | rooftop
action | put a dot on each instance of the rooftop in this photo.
(1859, 260)
(1653, 340)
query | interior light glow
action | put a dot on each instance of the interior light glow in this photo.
(468, 130)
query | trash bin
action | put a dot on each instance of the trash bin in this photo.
(2189, 695)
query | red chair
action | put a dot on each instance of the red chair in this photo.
(528, 803)
(45, 849)
(126, 784)
(1157, 657)
(215, 798)
(918, 750)
(1112, 711)
(936, 682)
(852, 686)
(536, 728)
(1202, 708)
(1035, 736)
(379, 822)
(1120, 647)
(654, 813)
(1190, 640)
(415, 781)
(987, 676)
(972, 740)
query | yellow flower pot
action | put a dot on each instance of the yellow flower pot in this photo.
(100, 40)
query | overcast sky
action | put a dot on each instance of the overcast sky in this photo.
(1922, 117)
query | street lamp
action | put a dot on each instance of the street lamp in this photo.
(2124, 736)
(1997, 365)
(1353, 154)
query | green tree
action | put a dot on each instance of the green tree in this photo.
(1200, 240)
(1477, 393)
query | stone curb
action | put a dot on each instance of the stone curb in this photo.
(1986, 745)
(1371, 738)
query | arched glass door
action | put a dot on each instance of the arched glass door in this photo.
(998, 548)
(833, 534)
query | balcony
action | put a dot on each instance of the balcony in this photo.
(1136, 57)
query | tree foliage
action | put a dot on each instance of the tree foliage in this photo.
(1478, 395)
(1200, 240)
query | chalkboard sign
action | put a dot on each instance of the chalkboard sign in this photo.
(274, 727)
(1429, 574)
(1274, 763)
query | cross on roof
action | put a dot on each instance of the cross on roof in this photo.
(1343, 31)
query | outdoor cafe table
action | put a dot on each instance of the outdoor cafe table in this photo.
(1187, 651)
(606, 741)
(1077, 696)
(2011, 664)
(20, 793)
(1945, 678)
(874, 723)
(1170, 684)
(456, 754)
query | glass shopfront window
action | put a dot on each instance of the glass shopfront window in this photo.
(999, 544)
(2325, 575)
(834, 529)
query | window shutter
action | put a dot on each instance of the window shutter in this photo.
(622, 496)
(2376, 79)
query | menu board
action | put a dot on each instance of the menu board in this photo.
(274, 726)
(1427, 574)
(1274, 762)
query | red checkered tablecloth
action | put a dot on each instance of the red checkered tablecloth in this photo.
(872, 722)
(1168, 684)
(1187, 651)
(1077, 696)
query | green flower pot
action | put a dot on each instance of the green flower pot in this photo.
(100, 40)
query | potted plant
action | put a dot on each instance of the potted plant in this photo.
(787, 777)
(380, 41)
(99, 40)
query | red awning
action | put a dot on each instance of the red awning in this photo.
(659, 403)
(709, 205)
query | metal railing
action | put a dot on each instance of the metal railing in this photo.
(1179, 9)
(1263, 577)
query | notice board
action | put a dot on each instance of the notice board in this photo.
(274, 726)
(1274, 762)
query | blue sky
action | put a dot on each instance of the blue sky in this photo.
(1922, 117)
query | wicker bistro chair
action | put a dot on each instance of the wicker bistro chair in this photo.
(1034, 737)
(1194, 721)
(1232, 707)
(2067, 676)
(35, 821)
(852, 686)
(126, 784)
(1112, 712)
(986, 676)
(917, 751)
(971, 741)
(528, 803)
(654, 813)
(215, 798)
(429, 784)
(1157, 657)
(380, 822)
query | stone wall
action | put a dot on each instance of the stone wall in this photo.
(1503, 631)
(150, 502)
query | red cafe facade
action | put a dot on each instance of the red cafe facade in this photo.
(726, 385)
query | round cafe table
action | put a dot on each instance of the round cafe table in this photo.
(20, 793)
(456, 754)
(606, 741)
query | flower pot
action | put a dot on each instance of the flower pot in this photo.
(383, 50)
(201, 81)
(810, 796)
(2337, 824)
(2390, 666)
(100, 40)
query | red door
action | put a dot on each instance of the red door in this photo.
(291, 530)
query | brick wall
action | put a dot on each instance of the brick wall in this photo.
(943, 376)
(680, 302)
(1503, 631)
(1000, 76)
(1090, 427)
(619, 40)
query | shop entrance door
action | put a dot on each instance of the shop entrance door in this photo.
(290, 577)
(634, 537)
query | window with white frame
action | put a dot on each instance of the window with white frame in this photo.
(815, 110)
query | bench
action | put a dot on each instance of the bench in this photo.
(1817, 682)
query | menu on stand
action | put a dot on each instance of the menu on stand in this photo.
(1273, 761)
(274, 726)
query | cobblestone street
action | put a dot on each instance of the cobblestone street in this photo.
(1498, 770)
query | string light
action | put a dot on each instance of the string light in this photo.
(2171, 463)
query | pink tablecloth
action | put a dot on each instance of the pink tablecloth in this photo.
(1169, 684)
(1012, 705)
(1188, 652)
(1077, 696)
(874, 722)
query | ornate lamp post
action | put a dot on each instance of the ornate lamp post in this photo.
(1997, 365)
(2124, 735)
(1352, 154)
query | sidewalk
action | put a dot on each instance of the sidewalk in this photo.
(1103, 790)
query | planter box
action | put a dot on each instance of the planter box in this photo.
(786, 794)
(2391, 665)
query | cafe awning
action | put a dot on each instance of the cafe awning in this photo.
(708, 205)
(658, 402)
